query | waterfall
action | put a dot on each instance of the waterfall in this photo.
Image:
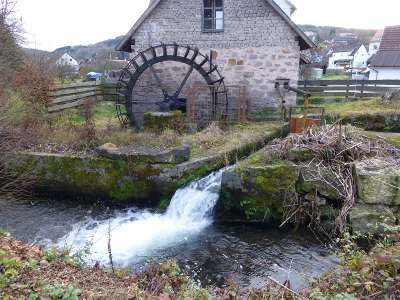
(138, 234)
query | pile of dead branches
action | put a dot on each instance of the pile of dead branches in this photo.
(334, 150)
(391, 96)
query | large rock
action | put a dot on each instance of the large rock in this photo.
(318, 180)
(172, 156)
(370, 219)
(378, 182)
(118, 181)
(256, 192)
(299, 154)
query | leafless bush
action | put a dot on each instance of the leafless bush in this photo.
(34, 79)
(10, 35)
(88, 131)
(12, 183)
(211, 136)
(392, 96)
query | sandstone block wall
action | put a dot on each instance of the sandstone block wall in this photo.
(256, 47)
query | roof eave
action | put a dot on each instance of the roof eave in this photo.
(304, 41)
(125, 44)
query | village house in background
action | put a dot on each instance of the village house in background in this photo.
(375, 42)
(253, 42)
(66, 60)
(348, 57)
(385, 64)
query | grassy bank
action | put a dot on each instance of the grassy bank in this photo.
(83, 129)
(361, 107)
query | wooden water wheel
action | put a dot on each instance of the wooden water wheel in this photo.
(131, 106)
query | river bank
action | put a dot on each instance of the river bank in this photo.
(211, 254)
(331, 179)
(141, 176)
(28, 272)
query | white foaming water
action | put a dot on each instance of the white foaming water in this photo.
(139, 233)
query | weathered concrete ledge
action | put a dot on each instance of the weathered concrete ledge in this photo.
(124, 176)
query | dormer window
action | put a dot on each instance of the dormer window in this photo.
(213, 16)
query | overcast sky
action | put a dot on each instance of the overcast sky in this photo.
(50, 24)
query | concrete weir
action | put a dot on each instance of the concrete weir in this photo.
(125, 176)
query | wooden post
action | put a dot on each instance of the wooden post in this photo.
(362, 89)
(242, 113)
(191, 104)
(347, 90)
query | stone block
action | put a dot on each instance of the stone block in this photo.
(312, 182)
(232, 62)
(254, 190)
(159, 121)
(378, 182)
(366, 218)
(298, 154)
(173, 156)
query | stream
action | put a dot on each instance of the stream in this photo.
(209, 252)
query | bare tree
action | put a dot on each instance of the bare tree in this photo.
(10, 35)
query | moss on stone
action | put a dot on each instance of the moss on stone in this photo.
(164, 203)
(113, 180)
(263, 188)
(157, 122)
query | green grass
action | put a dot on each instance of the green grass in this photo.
(104, 114)
(335, 77)
(360, 107)
(392, 138)
(395, 141)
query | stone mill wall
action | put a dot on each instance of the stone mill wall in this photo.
(256, 47)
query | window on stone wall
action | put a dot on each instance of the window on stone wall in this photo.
(213, 16)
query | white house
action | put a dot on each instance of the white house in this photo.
(340, 59)
(375, 43)
(67, 60)
(348, 57)
(360, 57)
(385, 64)
(286, 6)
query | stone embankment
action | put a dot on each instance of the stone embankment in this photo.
(264, 189)
(124, 175)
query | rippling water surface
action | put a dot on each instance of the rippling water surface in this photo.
(211, 253)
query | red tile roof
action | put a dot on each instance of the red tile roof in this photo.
(389, 51)
(391, 38)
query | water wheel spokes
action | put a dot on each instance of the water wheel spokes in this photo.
(130, 108)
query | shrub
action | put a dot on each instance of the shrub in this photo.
(33, 79)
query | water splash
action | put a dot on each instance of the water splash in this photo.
(137, 234)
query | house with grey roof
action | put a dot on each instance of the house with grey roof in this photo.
(348, 57)
(253, 42)
(385, 64)
(375, 42)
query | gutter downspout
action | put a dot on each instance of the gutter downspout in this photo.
(376, 71)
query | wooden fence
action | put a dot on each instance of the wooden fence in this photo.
(74, 95)
(348, 88)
